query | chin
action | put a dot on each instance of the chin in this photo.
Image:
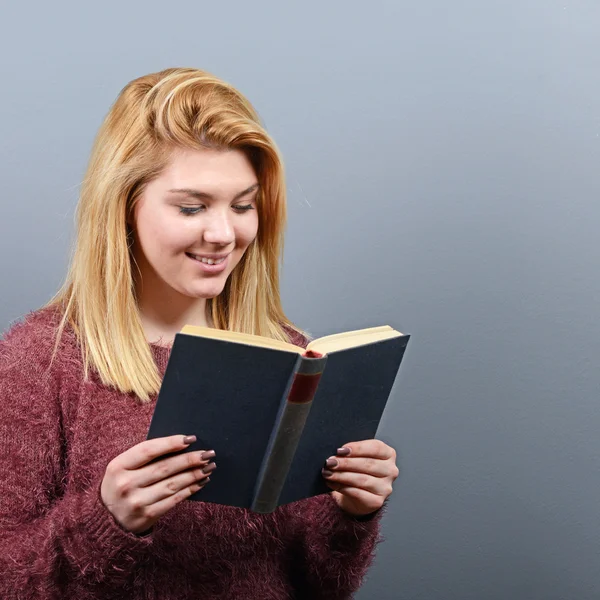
(207, 292)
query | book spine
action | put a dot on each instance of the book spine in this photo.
(287, 431)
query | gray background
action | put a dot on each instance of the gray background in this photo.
(443, 162)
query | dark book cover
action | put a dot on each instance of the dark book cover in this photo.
(228, 395)
(347, 407)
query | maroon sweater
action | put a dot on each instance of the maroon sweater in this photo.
(58, 541)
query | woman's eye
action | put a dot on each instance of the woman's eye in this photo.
(190, 210)
(243, 208)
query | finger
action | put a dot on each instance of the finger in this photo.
(371, 449)
(375, 485)
(158, 509)
(168, 467)
(369, 502)
(149, 450)
(173, 485)
(370, 466)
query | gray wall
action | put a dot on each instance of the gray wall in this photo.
(443, 162)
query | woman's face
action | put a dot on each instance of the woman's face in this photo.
(194, 222)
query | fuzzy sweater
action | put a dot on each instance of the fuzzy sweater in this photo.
(58, 540)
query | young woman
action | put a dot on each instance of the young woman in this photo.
(180, 220)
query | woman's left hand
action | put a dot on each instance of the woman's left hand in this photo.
(361, 475)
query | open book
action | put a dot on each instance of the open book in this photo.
(274, 412)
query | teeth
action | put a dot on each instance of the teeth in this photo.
(209, 261)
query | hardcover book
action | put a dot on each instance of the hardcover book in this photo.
(272, 411)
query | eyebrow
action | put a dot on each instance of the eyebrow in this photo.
(205, 195)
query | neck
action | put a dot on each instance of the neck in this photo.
(164, 311)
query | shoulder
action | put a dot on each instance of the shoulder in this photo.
(30, 341)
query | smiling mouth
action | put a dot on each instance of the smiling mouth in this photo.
(207, 261)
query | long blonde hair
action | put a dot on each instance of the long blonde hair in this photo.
(152, 116)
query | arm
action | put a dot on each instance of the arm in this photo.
(47, 535)
(332, 548)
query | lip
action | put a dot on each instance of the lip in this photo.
(210, 269)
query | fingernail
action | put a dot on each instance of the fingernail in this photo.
(208, 454)
(210, 467)
(326, 473)
(204, 481)
(343, 451)
(331, 462)
(189, 439)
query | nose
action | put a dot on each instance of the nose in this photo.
(219, 230)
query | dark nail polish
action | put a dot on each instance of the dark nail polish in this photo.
(189, 439)
(326, 473)
(209, 468)
(343, 451)
(208, 454)
(331, 462)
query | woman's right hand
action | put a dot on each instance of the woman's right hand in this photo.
(137, 493)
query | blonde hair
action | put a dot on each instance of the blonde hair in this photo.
(152, 116)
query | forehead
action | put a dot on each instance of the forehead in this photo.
(213, 170)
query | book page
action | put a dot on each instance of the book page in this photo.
(353, 339)
(240, 338)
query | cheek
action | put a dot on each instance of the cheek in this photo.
(161, 237)
(246, 233)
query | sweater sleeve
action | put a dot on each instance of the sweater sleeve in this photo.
(332, 548)
(47, 536)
